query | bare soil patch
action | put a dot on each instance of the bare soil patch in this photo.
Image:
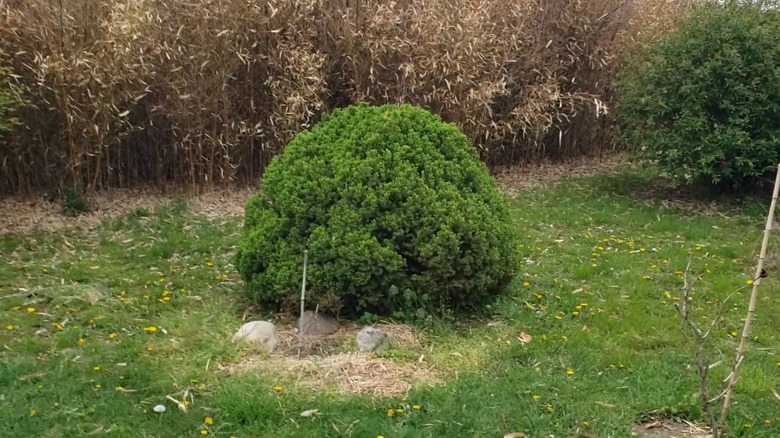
(19, 215)
(671, 429)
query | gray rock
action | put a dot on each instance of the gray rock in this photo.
(372, 340)
(261, 333)
(317, 324)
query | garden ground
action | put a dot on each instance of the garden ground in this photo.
(105, 316)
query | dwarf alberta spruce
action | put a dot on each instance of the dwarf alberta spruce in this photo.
(397, 211)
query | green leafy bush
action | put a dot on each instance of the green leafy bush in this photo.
(704, 101)
(396, 210)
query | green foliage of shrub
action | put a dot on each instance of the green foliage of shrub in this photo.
(398, 214)
(704, 101)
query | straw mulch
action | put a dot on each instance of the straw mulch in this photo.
(323, 367)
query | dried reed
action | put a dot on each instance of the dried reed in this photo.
(202, 92)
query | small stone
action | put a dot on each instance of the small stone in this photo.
(262, 333)
(318, 324)
(159, 409)
(372, 340)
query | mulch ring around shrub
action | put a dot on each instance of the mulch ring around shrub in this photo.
(329, 362)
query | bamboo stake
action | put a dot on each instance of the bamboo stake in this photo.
(303, 300)
(724, 413)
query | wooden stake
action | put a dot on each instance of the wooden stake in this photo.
(303, 301)
(724, 413)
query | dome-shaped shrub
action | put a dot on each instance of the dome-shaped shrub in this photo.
(396, 210)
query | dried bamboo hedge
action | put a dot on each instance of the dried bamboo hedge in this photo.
(202, 92)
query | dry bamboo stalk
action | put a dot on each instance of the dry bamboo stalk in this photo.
(724, 413)
(303, 301)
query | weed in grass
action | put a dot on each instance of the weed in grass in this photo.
(73, 201)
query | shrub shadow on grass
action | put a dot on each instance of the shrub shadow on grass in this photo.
(697, 198)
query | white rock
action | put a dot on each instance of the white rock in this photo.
(261, 333)
(372, 340)
(159, 409)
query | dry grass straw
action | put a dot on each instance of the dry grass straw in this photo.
(202, 92)
(325, 368)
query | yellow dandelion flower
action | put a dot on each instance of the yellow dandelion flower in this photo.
(119, 389)
(33, 412)
(81, 341)
(767, 421)
(112, 336)
(150, 329)
(209, 263)
(564, 337)
(594, 265)
(569, 372)
(148, 348)
(201, 387)
(526, 284)
(734, 333)
(585, 423)
(31, 310)
(536, 397)
(58, 326)
(549, 408)
(416, 407)
(390, 412)
(9, 327)
(748, 425)
(278, 388)
(204, 432)
(558, 317)
(96, 368)
(209, 421)
(750, 282)
(166, 292)
(575, 313)
(98, 386)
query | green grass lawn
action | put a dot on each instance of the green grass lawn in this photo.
(97, 327)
